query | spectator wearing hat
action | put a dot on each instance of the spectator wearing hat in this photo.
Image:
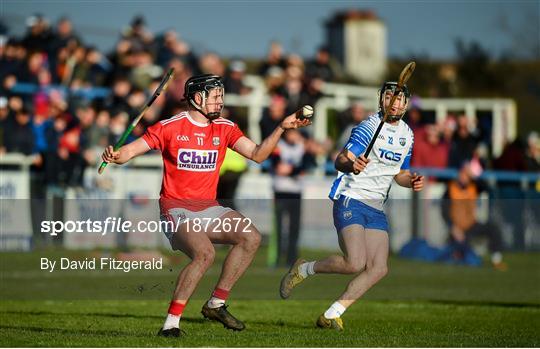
(38, 36)
(274, 59)
(234, 80)
(137, 34)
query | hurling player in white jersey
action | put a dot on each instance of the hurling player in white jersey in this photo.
(359, 193)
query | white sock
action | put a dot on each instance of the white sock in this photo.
(172, 321)
(335, 310)
(496, 257)
(306, 269)
(215, 302)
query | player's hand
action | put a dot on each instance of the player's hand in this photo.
(417, 182)
(360, 164)
(295, 121)
(109, 155)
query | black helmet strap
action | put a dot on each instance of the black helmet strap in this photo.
(204, 95)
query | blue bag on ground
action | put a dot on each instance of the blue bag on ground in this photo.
(452, 253)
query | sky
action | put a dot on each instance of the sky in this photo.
(244, 28)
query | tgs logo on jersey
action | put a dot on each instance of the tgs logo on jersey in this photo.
(197, 160)
(389, 155)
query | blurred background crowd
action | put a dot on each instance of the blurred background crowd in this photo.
(63, 100)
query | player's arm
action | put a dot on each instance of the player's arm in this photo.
(351, 158)
(261, 152)
(126, 152)
(347, 162)
(258, 152)
(409, 180)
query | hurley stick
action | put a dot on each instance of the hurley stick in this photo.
(162, 87)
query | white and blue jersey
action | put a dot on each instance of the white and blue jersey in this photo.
(391, 153)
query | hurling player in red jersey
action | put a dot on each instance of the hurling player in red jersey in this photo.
(193, 145)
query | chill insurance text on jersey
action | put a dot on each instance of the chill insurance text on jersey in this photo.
(192, 154)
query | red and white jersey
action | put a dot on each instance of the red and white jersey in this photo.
(192, 155)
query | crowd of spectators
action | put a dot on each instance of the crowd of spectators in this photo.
(459, 140)
(51, 106)
(47, 108)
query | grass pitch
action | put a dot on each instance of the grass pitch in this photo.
(416, 305)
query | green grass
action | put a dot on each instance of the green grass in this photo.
(416, 305)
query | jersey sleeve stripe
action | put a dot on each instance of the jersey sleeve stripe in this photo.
(168, 121)
(361, 136)
(220, 120)
(360, 141)
(180, 115)
(223, 123)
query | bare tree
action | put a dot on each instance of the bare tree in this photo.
(523, 34)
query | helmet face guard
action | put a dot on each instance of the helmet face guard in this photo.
(203, 84)
(386, 92)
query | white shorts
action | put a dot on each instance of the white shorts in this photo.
(181, 215)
